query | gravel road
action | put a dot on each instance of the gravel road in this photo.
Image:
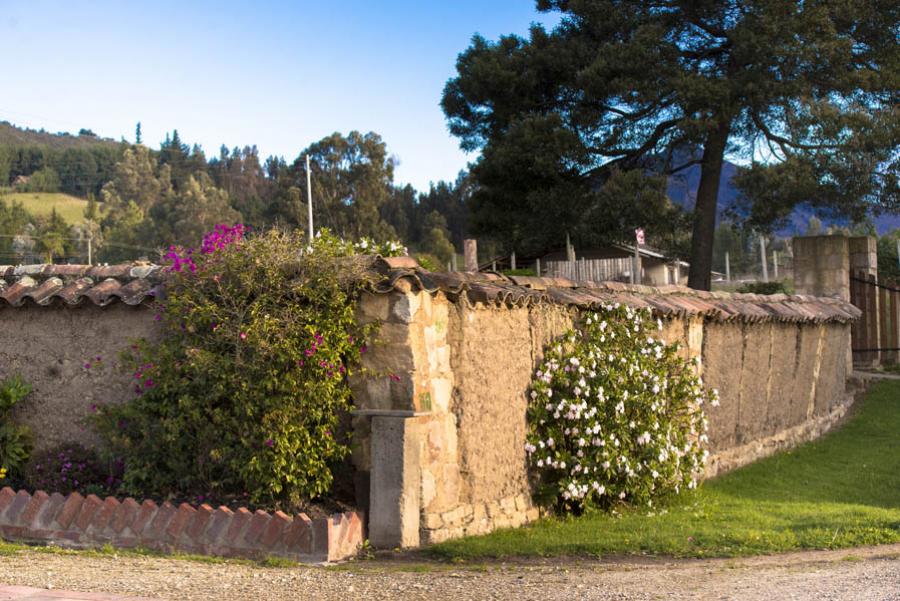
(871, 573)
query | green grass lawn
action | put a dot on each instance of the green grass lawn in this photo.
(840, 491)
(71, 208)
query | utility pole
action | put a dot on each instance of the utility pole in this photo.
(762, 254)
(309, 199)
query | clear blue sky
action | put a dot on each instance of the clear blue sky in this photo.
(276, 74)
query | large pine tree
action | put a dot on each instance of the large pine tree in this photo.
(804, 91)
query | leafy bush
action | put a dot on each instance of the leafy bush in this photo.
(244, 394)
(616, 415)
(67, 468)
(15, 440)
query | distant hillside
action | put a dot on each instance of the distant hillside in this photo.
(69, 207)
(682, 189)
(11, 135)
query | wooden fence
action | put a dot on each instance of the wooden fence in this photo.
(876, 336)
(592, 270)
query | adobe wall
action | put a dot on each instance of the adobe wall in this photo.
(56, 350)
(457, 461)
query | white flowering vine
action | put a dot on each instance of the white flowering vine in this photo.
(616, 414)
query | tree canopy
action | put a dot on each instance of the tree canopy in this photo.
(804, 92)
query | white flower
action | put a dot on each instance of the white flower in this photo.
(622, 495)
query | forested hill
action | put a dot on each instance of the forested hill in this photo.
(148, 198)
(682, 189)
(74, 164)
(10, 135)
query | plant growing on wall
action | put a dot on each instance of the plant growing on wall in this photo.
(244, 394)
(616, 415)
(15, 440)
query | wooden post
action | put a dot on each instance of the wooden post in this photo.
(493, 265)
(453, 261)
(537, 267)
(512, 261)
(762, 254)
(775, 262)
(470, 251)
(727, 267)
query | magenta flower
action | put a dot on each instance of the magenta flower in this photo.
(243, 335)
(270, 442)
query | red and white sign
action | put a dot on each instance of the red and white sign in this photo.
(639, 235)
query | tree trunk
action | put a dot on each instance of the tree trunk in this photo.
(706, 206)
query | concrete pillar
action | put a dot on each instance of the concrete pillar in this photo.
(822, 266)
(863, 255)
(470, 250)
(394, 503)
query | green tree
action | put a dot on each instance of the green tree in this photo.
(54, 239)
(436, 240)
(43, 180)
(352, 178)
(810, 87)
(137, 134)
(183, 217)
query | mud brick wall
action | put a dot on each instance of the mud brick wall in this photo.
(441, 432)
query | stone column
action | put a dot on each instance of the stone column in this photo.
(396, 482)
(863, 255)
(470, 250)
(822, 266)
(403, 427)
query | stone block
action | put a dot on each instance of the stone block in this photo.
(432, 521)
(441, 393)
(395, 493)
(373, 307)
(405, 306)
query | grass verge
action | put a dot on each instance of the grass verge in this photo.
(840, 491)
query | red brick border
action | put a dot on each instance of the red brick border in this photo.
(78, 521)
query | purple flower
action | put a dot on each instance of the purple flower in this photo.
(270, 442)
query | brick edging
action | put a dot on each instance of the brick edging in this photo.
(78, 521)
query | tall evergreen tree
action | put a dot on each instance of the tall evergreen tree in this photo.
(808, 88)
(137, 134)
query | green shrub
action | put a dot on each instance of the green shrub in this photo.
(616, 415)
(66, 468)
(244, 394)
(15, 440)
